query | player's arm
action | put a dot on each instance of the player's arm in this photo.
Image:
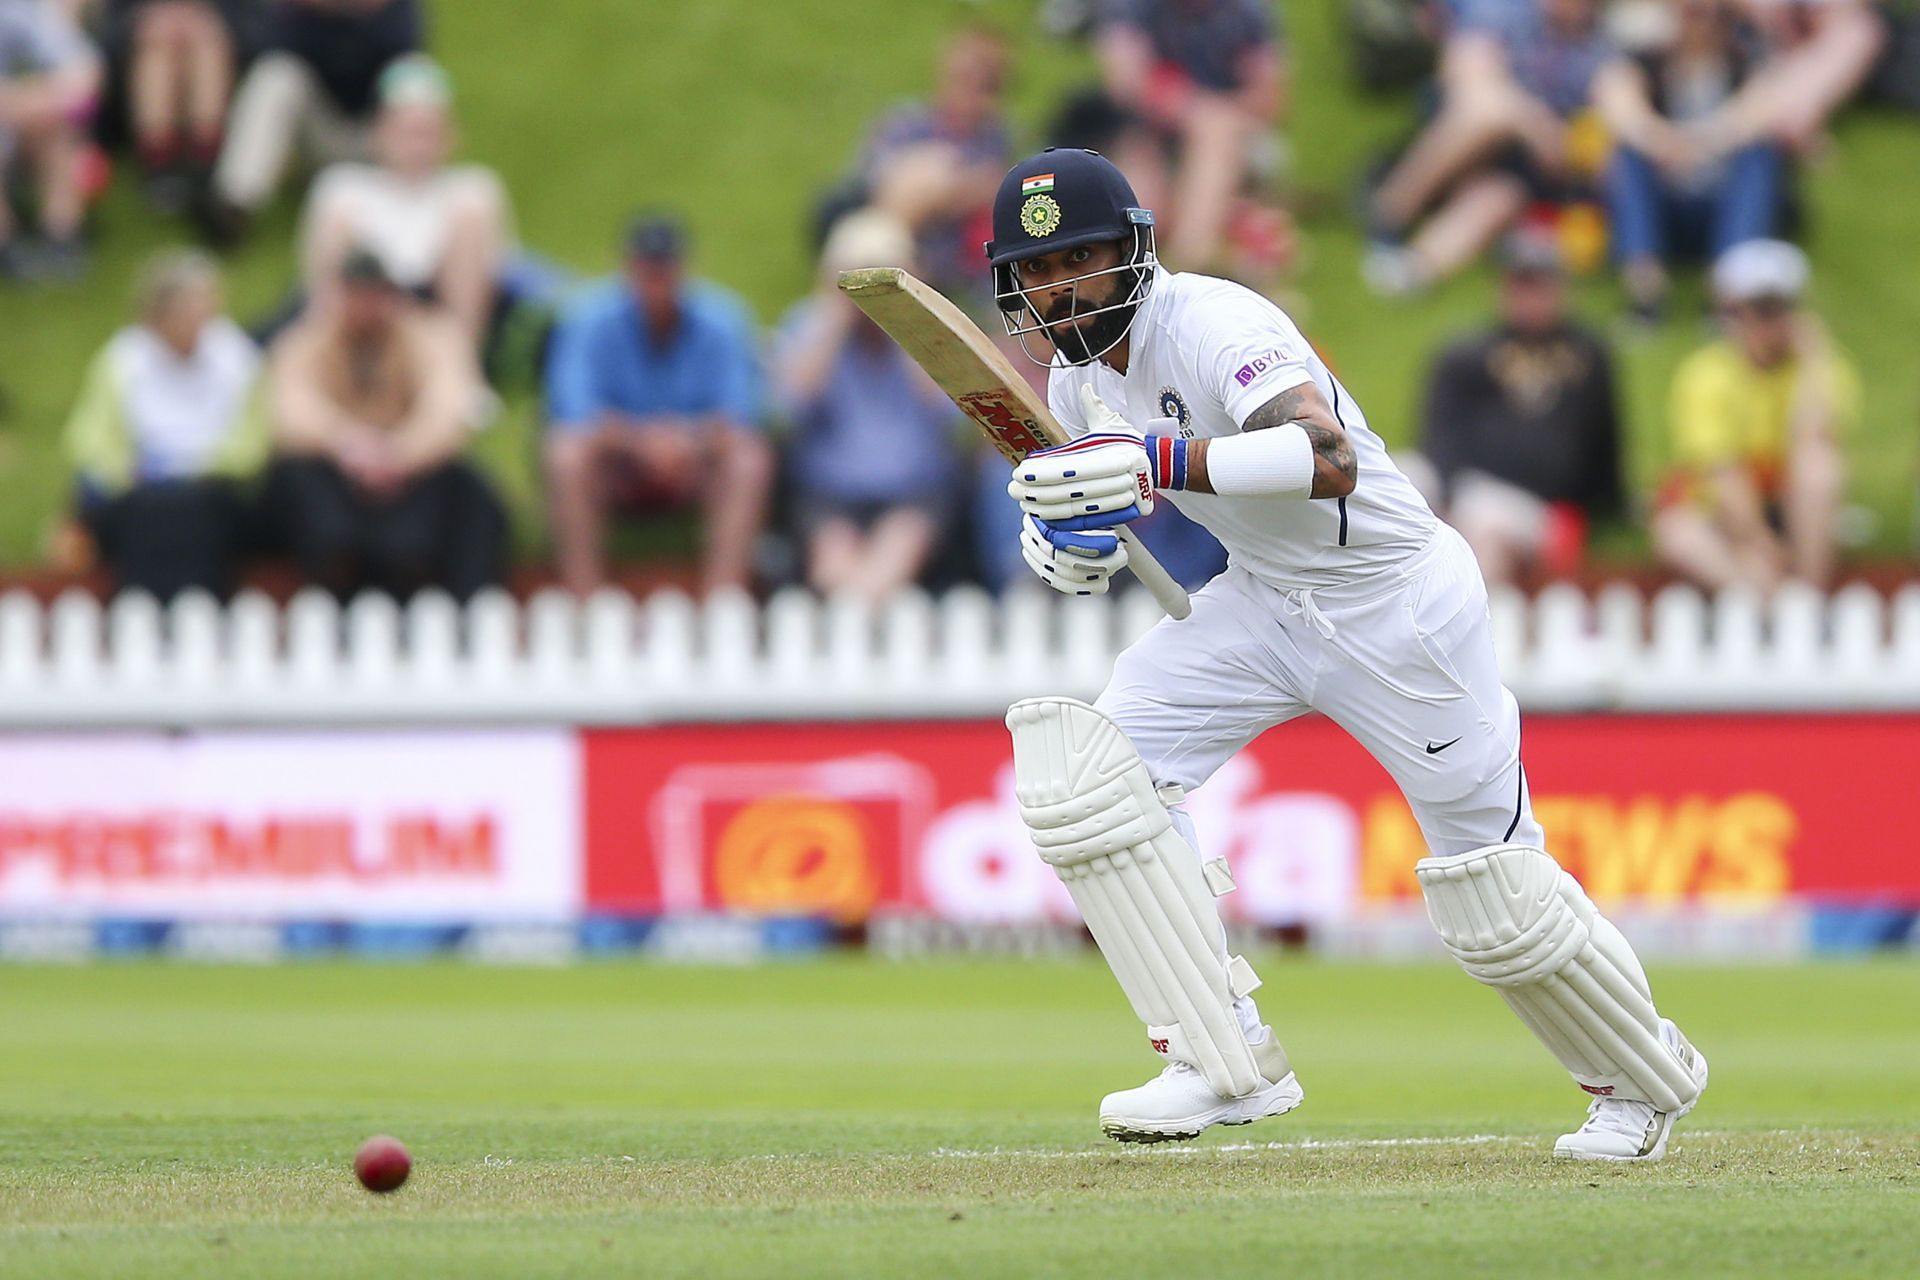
(1248, 358)
(1250, 465)
(1290, 446)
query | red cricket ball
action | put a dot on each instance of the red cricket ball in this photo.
(382, 1164)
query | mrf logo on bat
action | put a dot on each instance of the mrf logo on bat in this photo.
(998, 414)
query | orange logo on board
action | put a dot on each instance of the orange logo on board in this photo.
(796, 855)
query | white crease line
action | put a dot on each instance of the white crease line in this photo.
(1184, 1149)
(1140, 1152)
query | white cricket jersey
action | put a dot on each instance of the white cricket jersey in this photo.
(1209, 352)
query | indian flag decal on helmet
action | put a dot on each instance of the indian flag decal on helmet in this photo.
(1040, 216)
(1036, 184)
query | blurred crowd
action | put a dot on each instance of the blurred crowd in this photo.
(1657, 137)
(1645, 137)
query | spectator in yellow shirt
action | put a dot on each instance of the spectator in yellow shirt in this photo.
(1756, 422)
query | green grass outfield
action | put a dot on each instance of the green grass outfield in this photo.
(740, 111)
(851, 1117)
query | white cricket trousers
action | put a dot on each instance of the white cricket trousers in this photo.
(1402, 659)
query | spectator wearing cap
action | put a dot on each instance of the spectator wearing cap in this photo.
(654, 397)
(441, 230)
(1208, 79)
(372, 397)
(1693, 171)
(49, 78)
(166, 434)
(1757, 419)
(1520, 433)
(314, 88)
(848, 391)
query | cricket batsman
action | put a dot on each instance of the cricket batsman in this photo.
(1343, 594)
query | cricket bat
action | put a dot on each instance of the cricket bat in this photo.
(968, 367)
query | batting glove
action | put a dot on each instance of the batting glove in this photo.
(1165, 447)
(1076, 562)
(1106, 472)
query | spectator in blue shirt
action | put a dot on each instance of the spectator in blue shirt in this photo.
(849, 392)
(653, 402)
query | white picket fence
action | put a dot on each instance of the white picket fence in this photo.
(615, 659)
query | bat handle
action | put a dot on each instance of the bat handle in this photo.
(1171, 595)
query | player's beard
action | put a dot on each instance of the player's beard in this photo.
(1086, 342)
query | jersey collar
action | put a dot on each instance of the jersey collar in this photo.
(1147, 316)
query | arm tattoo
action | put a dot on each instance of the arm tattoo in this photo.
(1335, 467)
(1282, 409)
(1331, 447)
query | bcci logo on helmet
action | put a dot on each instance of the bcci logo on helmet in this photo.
(1040, 216)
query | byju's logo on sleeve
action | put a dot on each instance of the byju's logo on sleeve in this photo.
(1257, 366)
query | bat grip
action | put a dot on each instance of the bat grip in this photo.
(1171, 595)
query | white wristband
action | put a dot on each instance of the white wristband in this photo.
(1277, 461)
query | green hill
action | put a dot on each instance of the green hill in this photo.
(738, 111)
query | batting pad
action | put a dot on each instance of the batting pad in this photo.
(1095, 818)
(1517, 922)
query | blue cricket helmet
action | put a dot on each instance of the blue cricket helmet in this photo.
(1059, 199)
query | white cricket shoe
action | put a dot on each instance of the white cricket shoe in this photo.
(1179, 1104)
(1625, 1130)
